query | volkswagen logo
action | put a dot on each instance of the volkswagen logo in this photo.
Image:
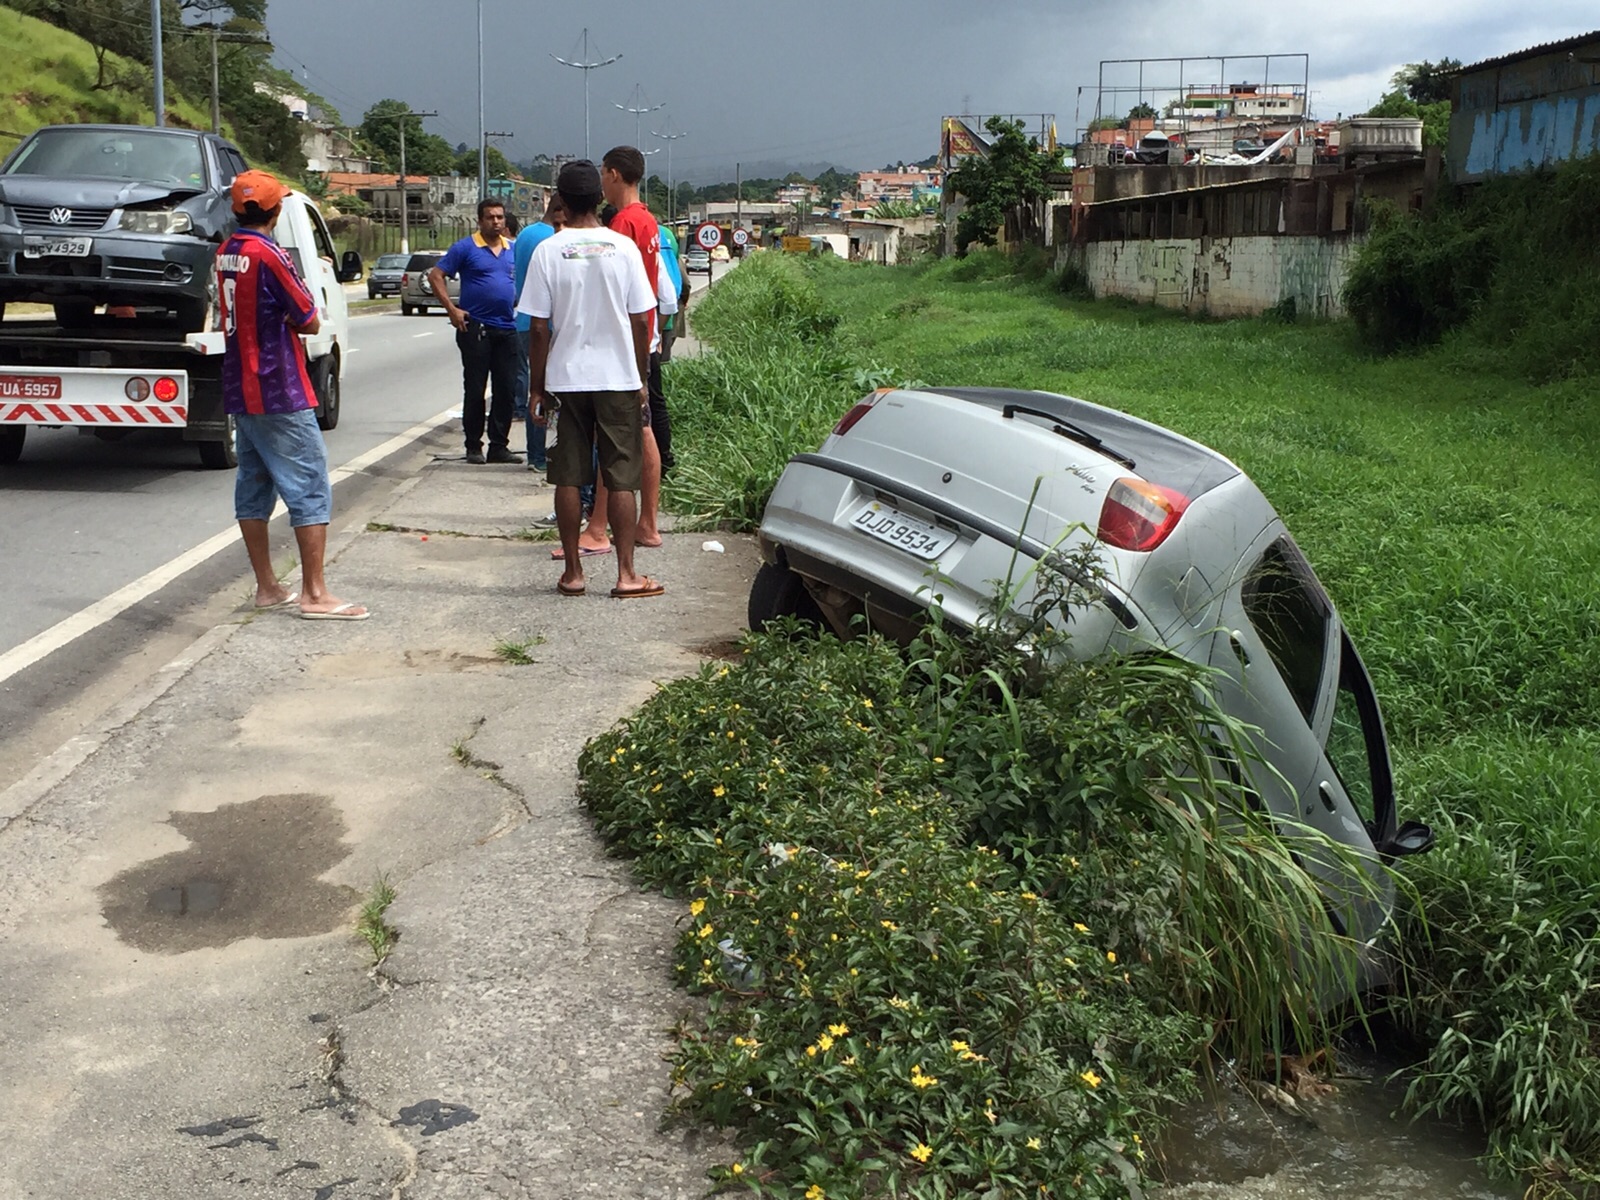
(60, 216)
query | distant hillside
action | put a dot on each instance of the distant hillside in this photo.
(47, 77)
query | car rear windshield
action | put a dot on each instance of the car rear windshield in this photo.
(422, 262)
(147, 156)
(390, 262)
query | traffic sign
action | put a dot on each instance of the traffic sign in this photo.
(709, 236)
(740, 237)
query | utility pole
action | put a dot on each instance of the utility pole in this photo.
(637, 111)
(216, 99)
(586, 66)
(155, 61)
(405, 206)
(669, 138)
(738, 195)
(483, 138)
(484, 154)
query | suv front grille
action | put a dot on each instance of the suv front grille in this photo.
(38, 216)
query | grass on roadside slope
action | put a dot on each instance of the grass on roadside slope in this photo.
(1455, 518)
(47, 77)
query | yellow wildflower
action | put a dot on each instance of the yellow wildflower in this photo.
(1080, 927)
(958, 1046)
(1090, 1078)
(896, 1002)
(1111, 956)
(696, 907)
(811, 1051)
(794, 916)
(937, 759)
(839, 1030)
(730, 735)
(1033, 1143)
(736, 1169)
(1030, 895)
(919, 1080)
(825, 1042)
(705, 930)
(814, 1192)
(866, 704)
(719, 791)
(889, 925)
(849, 1060)
(922, 1152)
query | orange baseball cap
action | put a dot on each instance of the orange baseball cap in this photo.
(258, 187)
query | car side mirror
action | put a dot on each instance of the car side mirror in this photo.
(1412, 837)
(350, 268)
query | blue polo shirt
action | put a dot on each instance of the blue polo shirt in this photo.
(487, 294)
(527, 242)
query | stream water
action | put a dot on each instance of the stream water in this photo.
(1353, 1144)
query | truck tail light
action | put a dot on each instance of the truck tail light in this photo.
(1138, 515)
(166, 389)
(864, 406)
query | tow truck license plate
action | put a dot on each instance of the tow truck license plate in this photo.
(901, 531)
(30, 387)
(52, 247)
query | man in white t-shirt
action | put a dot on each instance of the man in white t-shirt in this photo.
(589, 352)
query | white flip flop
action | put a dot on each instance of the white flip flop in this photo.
(342, 613)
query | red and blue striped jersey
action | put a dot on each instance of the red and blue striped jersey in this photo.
(264, 301)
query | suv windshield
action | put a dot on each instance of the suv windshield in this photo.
(390, 262)
(113, 154)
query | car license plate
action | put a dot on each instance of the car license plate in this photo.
(30, 387)
(889, 524)
(49, 247)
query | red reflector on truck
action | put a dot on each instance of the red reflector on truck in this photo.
(1138, 516)
(847, 422)
(166, 389)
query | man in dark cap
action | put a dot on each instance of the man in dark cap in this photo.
(590, 304)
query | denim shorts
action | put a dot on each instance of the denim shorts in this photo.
(282, 454)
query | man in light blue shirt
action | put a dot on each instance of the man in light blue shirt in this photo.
(555, 216)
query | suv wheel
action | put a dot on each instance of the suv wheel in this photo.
(407, 309)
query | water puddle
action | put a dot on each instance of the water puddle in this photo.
(1354, 1144)
(250, 871)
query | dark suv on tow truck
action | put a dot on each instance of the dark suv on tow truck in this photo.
(120, 215)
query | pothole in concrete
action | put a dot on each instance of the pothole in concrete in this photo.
(250, 871)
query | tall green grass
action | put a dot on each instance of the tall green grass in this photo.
(1452, 508)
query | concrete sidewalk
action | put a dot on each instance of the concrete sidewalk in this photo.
(188, 1010)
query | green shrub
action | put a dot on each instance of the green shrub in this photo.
(770, 297)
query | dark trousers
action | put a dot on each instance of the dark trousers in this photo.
(660, 421)
(487, 354)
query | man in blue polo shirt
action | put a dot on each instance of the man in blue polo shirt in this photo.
(486, 332)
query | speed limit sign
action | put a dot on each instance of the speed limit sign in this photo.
(740, 237)
(709, 236)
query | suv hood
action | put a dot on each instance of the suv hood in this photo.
(90, 193)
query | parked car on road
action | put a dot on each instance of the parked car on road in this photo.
(416, 295)
(719, 253)
(697, 260)
(386, 274)
(120, 215)
(929, 497)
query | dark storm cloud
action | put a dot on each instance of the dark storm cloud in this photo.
(853, 85)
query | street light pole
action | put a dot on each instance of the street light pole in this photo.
(155, 62)
(585, 66)
(483, 140)
(637, 112)
(669, 138)
(405, 208)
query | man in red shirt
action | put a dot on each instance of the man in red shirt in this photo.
(621, 171)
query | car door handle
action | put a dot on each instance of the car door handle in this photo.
(1325, 794)
(1236, 640)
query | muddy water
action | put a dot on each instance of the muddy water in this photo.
(1350, 1145)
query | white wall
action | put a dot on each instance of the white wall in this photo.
(1223, 277)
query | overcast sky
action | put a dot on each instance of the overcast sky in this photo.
(856, 85)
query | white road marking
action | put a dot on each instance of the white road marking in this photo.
(40, 646)
(426, 333)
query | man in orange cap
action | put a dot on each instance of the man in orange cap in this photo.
(265, 388)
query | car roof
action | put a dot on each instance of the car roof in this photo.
(1157, 454)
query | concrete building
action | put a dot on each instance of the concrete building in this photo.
(1526, 110)
(328, 149)
(909, 186)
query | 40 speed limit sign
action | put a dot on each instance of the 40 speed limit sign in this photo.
(709, 236)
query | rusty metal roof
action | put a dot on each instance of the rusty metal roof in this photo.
(1532, 52)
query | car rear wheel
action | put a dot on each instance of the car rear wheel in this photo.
(222, 455)
(778, 592)
(407, 309)
(11, 439)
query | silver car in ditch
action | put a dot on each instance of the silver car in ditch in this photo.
(931, 496)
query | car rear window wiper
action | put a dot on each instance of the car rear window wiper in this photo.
(1067, 430)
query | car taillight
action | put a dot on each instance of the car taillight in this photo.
(847, 422)
(1138, 516)
(405, 280)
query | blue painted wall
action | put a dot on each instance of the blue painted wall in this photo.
(1527, 114)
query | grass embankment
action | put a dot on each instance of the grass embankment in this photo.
(47, 77)
(1454, 515)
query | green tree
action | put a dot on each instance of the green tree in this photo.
(1435, 117)
(1428, 82)
(426, 153)
(1141, 112)
(466, 163)
(1010, 175)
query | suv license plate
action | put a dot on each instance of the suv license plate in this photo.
(903, 532)
(30, 387)
(42, 247)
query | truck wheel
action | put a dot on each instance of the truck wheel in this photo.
(74, 314)
(407, 309)
(11, 439)
(220, 456)
(325, 379)
(779, 592)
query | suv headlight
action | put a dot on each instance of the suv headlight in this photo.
(155, 220)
